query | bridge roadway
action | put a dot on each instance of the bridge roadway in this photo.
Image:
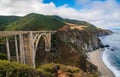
(11, 33)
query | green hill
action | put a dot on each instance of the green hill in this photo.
(36, 22)
(6, 20)
(79, 22)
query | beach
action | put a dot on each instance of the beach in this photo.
(95, 57)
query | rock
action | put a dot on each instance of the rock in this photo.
(103, 32)
(103, 46)
(107, 45)
(69, 48)
(112, 49)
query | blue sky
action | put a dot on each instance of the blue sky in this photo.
(58, 3)
(101, 13)
(71, 3)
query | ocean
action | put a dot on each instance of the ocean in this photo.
(111, 54)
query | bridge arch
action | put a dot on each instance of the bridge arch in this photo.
(46, 38)
(42, 43)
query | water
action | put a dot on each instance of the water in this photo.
(111, 55)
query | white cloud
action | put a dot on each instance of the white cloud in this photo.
(102, 14)
(18, 7)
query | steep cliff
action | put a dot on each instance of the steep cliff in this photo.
(74, 44)
(102, 32)
(69, 47)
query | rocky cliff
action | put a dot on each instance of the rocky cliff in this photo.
(102, 32)
(69, 47)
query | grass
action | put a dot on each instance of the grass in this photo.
(6, 20)
(36, 22)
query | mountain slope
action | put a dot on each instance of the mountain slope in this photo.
(77, 22)
(43, 22)
(6, 20)
(36, 22)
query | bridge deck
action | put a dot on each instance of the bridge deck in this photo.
(11, 33)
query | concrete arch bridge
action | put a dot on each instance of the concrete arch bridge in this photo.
(26, 43)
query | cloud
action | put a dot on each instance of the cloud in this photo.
(103, 14)
(18, 7)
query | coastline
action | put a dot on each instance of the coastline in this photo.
(96, 59)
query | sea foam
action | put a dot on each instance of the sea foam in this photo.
(107, 61)
(111, 55)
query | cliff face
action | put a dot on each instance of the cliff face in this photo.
(80, 40)
(102, 32)
(69, 48)
(72, 46)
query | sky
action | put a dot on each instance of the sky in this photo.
(101, 13)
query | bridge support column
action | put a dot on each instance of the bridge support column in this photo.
(32, 49)
(8, 49)
(16, 48)
(22, 52)
(48, 42)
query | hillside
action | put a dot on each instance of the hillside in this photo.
(36, 22)
(77, 22)
(6, 20)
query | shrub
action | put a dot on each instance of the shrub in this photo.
(44, 73)
(14, 69)
(3, 56)
(47, 69)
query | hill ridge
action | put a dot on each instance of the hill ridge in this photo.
(34, 21)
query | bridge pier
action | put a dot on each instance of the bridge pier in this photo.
(16, 48)
(22, 52)
(32, 48)
(48, 42)
(8, 48)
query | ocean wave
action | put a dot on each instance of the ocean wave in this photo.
(108, 62)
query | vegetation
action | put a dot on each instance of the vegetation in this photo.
(52, 69)
(15, 69)
(3, 56)
(36, 22)
(79, 22)
(6, 20)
